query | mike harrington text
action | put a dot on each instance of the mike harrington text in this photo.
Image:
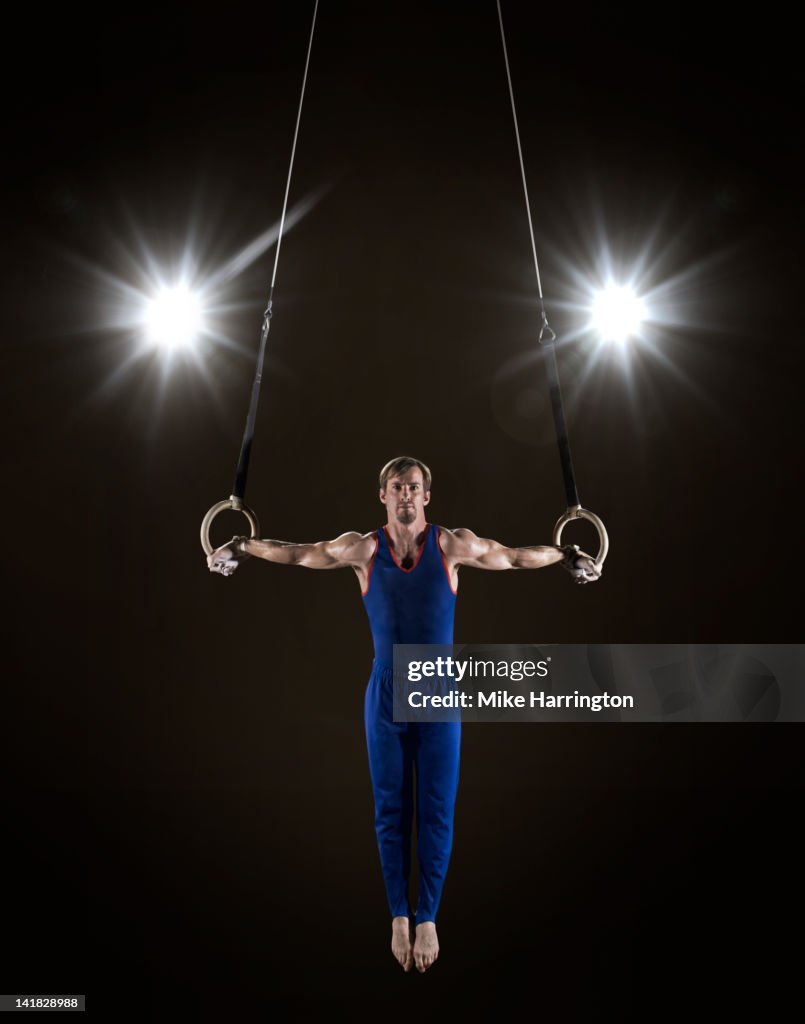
(504, 699)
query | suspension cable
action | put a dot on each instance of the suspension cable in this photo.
(547, 336)
(520, 154)
(239, 487)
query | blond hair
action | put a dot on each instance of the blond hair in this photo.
(400, 465)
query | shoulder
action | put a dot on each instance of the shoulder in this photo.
(354, 546)
(459, 541)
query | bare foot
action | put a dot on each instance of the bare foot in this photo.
(426, 946)
(401, 942)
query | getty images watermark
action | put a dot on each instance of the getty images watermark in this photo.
(599, 682)
(489, 670)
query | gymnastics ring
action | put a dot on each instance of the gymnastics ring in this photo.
(237, 505)
(577, 512)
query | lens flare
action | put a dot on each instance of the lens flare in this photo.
(617, 313)
(173, 319)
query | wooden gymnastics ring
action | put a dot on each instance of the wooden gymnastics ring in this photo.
(577, 512)
(238, 505)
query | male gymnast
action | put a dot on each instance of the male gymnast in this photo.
(408, 573)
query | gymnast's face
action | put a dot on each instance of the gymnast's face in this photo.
(405, 496)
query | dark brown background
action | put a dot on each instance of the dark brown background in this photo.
(186, 794)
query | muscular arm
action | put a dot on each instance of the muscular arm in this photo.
(348, 550)
(463, 547)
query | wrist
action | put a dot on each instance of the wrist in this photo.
(569, 552)
(239, 545)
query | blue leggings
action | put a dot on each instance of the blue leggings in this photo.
(398, 751)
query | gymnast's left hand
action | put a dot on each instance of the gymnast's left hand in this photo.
(582, 567)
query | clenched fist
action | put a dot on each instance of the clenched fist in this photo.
(228, 557)
(580, 565)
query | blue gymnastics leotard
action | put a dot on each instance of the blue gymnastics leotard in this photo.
(415, 605)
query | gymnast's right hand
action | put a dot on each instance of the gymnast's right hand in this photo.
(228, 557)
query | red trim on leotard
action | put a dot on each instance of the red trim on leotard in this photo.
(444, 560)
(394, 557)
(371, 566)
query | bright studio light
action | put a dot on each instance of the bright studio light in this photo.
(617, 313)
(173, 319)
